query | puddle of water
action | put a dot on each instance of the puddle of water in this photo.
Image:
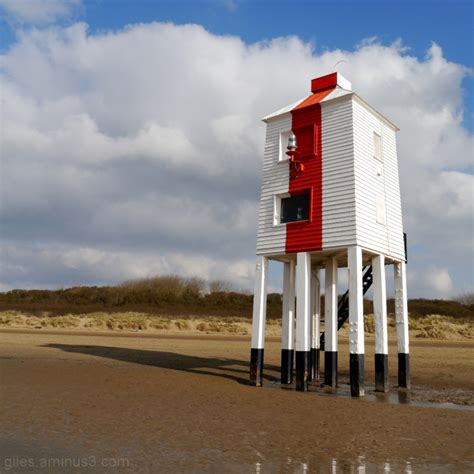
(395, 397)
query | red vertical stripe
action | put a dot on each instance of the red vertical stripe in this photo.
(306, 125)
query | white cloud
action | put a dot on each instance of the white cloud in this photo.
(230, 5)
(74, 265)
(124, 156)
(439, 281)
(38, 11)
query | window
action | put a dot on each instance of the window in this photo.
(377, 146)
(295, 208)
(284, 136)
(381, 215)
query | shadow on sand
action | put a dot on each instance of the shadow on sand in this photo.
(232, 369)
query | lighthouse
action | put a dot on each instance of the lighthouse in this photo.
(330, 199)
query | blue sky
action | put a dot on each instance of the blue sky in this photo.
(327, 24)
(107, 114)
(340, 24)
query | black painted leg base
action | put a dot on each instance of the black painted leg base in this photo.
(315, 364)
(330, 368)
(381, 373)
(404, 371)
(356, 365)
(256, 367)
(287, 356)
(302, 370)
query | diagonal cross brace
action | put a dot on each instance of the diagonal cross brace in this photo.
(343, 305)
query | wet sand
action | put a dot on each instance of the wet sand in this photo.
(111, 403)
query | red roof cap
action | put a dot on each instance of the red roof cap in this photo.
(329, 81)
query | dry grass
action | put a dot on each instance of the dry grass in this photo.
(428, 327)
(432, 326)
(435, 326)
(131, 321)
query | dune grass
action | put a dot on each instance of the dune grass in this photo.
(432, 326)
(130, 321)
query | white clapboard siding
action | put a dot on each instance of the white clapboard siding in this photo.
(339, 225)
(270, 237)
(376, 185)
(392, 192)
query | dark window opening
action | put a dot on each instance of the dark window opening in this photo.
(295, 208)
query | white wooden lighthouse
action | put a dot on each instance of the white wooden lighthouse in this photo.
(330, 198)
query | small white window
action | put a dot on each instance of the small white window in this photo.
(284, 136)
(381, 215)
(276, 209)
(377, 146)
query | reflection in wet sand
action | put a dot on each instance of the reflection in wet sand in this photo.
(396, 396)
(361, 466)
(27, 456)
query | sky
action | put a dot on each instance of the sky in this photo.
(132, 144)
